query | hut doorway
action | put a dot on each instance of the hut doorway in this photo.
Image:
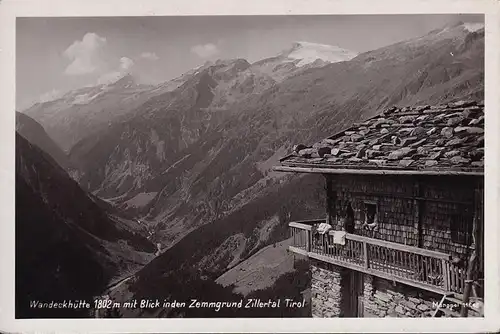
(353, 298)
(349, 219)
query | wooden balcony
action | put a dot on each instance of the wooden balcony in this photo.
(418, 267)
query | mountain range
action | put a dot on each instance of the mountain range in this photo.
(191, 158)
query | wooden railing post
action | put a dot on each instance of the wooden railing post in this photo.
(365, 251)
(446, 274)
(308, 240)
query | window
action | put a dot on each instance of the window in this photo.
(461, 227)
(371, 212)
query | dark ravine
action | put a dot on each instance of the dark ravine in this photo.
(63, 240)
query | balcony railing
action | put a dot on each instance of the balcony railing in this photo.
(410, 265)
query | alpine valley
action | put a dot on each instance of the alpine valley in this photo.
(166, 191)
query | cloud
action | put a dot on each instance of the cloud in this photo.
(90, 56)
(50, 96)
(124, 68)
(84, 54)
(205, 50)
(126, 63)
(150, 56)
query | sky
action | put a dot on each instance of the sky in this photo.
(55, 55)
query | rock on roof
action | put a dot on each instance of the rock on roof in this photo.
(446, 137)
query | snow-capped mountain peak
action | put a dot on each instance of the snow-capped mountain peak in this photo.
(473, 26)
(307, 52)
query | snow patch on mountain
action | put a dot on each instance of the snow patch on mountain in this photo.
(85, 98)
(473, 26)
(308, 53)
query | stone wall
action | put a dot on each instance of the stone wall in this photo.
(326, 283)
(382, 298)
(449, 199)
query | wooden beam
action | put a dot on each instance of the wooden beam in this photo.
(396, 246)
(445, 266)
(418, 198)
(381, 243)
(418, 212)
(366, 254)
(468, 283)
(479, 214)
(331, 197)
(374, 272)
(305, 225)
(298, 250)
(472, 267)
(324, 170)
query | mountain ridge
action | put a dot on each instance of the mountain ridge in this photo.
(32, 131)
(297, 109)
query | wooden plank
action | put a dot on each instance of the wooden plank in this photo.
(331, 198)
(413, 197)
(311, 221)
(298, 250)
(446, 273)
(377, 273)
(479, 214)
(428, 268)
(309, 168)
(473, 263)
(382, 243)
(419, 266)
(406, 260)
(452, 278)
(402, 247)
(385, 255)
(300, 226)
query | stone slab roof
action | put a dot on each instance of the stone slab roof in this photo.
(438, 138)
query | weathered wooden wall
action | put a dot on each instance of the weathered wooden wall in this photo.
(417, 211)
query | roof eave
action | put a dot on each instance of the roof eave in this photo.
(363, 171)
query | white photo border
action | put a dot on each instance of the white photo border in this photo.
(10, 9)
